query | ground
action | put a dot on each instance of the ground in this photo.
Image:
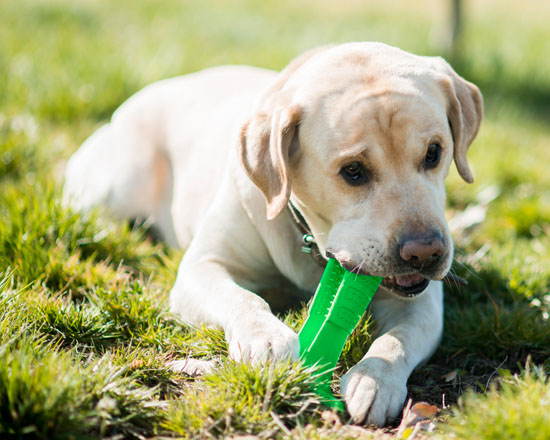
(86, 340)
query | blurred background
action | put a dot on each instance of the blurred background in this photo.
(99, 51)
(71, 63)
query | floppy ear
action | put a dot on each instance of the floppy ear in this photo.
(465, 111)
(266, 139)
(264, 150)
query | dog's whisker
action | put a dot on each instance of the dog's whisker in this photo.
(357, 269)
(467, 268)
(453, 284)
(361, 264)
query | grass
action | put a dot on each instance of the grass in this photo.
(513, 410)
(240, 399)
(89, 401)
(86, 341)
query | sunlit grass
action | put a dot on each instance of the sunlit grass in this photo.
(516, 410)
(243, 399)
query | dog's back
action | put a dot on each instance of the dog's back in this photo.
(186, 123)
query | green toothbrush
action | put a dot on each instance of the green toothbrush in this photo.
(339, 302)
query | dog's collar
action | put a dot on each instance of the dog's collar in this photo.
(310, 246)
(308, 243)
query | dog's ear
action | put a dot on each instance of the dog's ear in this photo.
(465, 111)
(266, 139)
(264, 151)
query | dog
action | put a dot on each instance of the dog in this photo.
(350, 143)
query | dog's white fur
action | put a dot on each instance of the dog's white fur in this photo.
(214, 157)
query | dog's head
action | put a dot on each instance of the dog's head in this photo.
(361, 137)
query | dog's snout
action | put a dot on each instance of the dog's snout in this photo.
(421, 252)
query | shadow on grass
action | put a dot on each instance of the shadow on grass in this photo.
(491, 320)
(489, 328)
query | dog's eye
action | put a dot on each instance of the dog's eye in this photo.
(354, 174)
(432, 156)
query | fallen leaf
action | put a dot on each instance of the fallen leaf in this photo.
(424, 410)
(450, 376)
(415, 418)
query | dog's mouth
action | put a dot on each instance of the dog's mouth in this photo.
(406, 285)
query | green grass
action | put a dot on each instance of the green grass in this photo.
(515, 409)
(45, 393)
(85, 337)
(240, 399)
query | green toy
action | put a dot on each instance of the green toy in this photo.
(341, 299)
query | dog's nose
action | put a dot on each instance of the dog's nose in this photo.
(421, 252)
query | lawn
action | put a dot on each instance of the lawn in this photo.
(86, 340)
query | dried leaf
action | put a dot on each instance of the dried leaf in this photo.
(450, 376)
(415, 418)
(424, 410)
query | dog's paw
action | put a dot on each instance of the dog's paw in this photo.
(373, 392)
(262, 340)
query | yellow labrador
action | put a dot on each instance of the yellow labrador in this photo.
(357, 139)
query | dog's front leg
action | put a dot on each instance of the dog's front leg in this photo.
(205, 293)
(375, 389)
(226, 261)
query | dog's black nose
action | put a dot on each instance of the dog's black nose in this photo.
(421, 252)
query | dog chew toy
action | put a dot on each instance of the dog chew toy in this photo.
(339, 302)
